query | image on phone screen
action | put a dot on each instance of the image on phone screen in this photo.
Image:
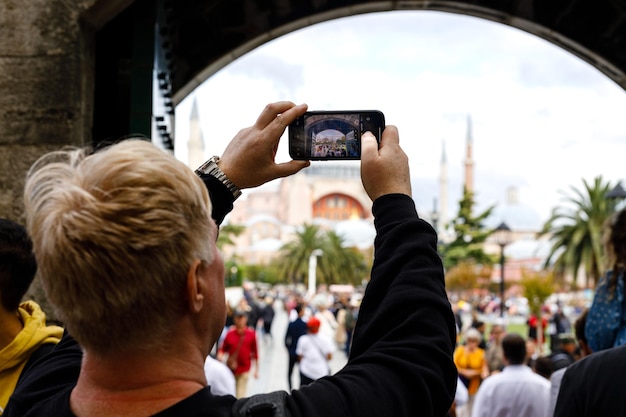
(332, 135)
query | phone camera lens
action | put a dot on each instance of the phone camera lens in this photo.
(368, 118)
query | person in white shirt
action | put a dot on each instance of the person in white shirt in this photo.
(515, 392)
(314, 351)
(219, 377)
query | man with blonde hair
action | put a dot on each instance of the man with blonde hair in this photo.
(126, 242)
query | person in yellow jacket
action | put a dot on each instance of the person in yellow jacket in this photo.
(24, 334)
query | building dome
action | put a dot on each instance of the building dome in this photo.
(262, 218)
(527, 249)
(518, 216)
(356, 233)
(267, 245)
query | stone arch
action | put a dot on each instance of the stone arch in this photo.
(578, 27)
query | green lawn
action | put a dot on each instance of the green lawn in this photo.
(522, 330)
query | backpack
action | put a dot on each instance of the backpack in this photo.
(262, 405)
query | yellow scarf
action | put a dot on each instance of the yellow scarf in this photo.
(13, 357)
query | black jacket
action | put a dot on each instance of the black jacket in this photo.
(401, 358)
(592, 386)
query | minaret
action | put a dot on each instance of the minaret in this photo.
(469, 161)
(195, 146)
(443, 188)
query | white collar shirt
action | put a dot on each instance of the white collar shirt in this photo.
(515, 392)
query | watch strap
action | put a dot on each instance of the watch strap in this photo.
(211, 168)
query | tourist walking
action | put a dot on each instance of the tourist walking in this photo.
(240, 348)
(314, 350)
(295, 330)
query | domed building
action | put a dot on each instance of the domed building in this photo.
(518, 216)
(328, 195)
(331, 196)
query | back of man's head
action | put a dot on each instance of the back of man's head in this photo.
(115, 234)
(514, 348)
(17, 263)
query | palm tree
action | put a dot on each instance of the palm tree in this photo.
(340, 264)
(294, 256)
(576, 231)
(337, 264)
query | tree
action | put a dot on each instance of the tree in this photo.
(576, 229)
(338, 264)
(463, 276)
(294, 256)
(538, 286)
(470, 235)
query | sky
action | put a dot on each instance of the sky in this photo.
(542, 119)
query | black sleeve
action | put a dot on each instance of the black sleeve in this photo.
(401, 359)
(59, 371)
(221, 197)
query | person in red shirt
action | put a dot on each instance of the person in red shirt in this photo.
(533, 324)
(240, 343)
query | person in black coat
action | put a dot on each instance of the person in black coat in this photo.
(295, 330)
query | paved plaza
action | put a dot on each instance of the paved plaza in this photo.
(274, 359)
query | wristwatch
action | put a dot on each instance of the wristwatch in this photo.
(210, 168)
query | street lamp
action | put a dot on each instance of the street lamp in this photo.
(502, 235)
(313, 269)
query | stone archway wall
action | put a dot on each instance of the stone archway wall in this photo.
(46, 80)
(46, 85)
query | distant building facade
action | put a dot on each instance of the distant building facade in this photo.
(331, 195)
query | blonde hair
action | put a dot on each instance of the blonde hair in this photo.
(115, 233)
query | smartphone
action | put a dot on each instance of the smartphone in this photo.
(333, 135)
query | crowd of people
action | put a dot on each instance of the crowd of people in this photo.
(327, 319)
(576, 377)
(507, 376)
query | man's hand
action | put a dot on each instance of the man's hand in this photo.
(384, 170)
(249, 159)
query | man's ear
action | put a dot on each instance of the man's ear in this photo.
(195, 286)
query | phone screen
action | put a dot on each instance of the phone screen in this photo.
(333, 135)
